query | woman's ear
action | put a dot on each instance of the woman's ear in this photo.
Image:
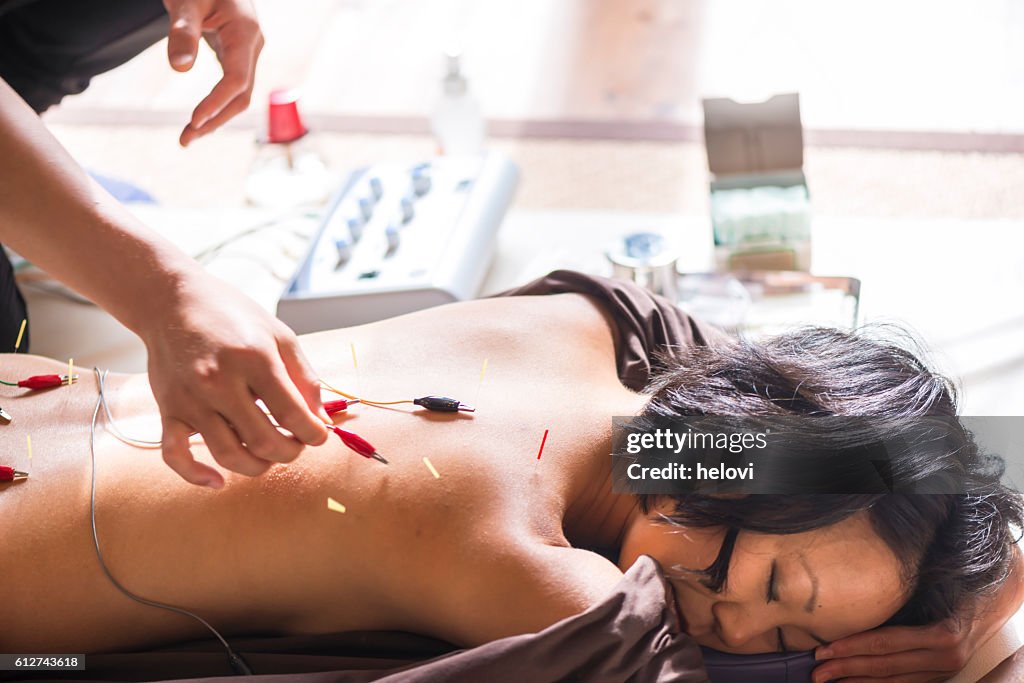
(662, 506)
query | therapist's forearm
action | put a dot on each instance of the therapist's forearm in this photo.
(53, 214)
(210, 349)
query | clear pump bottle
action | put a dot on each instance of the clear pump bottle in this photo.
(456, 122)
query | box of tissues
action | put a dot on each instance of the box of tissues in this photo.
(760, 206)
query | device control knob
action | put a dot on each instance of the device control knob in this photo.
(421, 181)
(406, 206)
(366, 208)
(355, 228)
(376, 188)
(344, 249)
(393, 235)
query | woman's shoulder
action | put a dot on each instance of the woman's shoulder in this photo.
(528, 587)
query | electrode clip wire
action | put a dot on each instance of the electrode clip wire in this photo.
(367, 401)
(440, 404)
(238, 664)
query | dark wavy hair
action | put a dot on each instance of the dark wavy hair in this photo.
(952, 547)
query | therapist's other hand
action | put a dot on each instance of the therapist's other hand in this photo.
(231, 29)
(921, 654)
(212, 353)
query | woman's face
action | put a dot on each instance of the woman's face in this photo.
(782, 593)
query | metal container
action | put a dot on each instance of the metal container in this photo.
(646, 259)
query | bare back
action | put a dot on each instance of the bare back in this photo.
(265, 555)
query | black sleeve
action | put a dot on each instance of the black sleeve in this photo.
(52, 48)
(643, 323)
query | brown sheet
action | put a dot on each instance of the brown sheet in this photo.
(633, 636)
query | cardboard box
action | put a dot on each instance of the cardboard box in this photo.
(760, 204)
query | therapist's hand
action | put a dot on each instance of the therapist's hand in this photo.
(231, 29)
(921, 654)
(212, 353)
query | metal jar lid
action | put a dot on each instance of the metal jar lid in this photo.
(642, 250)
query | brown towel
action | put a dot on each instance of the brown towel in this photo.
(643, 322)
(632, 636)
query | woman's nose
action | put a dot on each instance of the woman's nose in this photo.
(737, 625)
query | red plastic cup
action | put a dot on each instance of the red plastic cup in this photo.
(284, 123)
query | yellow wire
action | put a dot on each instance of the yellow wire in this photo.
(367, 401)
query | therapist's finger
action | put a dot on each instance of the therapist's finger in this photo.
(288, 407)
(227, 449)
(302, 374)
(178, 456)
(237, 106)
(258, 435)
(184, 33)
(238, 46)
(223, 94)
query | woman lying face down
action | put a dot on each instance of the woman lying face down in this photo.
(494, 546)
(768, 573)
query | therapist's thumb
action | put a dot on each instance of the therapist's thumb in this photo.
(303, 376)
(183, 36)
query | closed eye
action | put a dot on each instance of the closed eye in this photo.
(772, 595)
(772, 591)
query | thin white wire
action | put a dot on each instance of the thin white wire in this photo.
(102, 401)
(111, 425)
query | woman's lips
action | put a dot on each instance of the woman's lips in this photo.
(670, 598)
(693, 628)
(700, 630)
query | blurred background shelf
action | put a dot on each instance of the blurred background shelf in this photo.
(924, 74)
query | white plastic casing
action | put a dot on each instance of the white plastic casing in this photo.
(442, 255)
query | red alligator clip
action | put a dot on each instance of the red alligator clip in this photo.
(10, 474)
(358, 444)
(339, 405)
(45, 381)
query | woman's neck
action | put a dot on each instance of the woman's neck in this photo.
(596, 517)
